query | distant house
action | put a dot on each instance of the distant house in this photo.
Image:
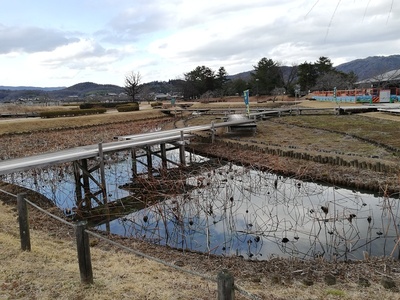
(161, 96)
(391, 78)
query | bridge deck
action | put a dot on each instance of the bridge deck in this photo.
(91, 151)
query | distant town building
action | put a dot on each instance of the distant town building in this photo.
(387, 79)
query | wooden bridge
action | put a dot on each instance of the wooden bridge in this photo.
(89, 188)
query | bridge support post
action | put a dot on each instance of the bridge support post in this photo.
(84, 176)
(86, 184)
(103, 187)
(182, 150)
(134, 163)
(212, 132)
(149, 161)
(163, 150)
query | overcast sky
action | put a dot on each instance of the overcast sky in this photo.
(61, 43)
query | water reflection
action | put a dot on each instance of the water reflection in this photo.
(233, 210)
(240, 211)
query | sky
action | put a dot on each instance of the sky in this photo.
(49, 43)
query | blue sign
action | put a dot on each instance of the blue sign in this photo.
(246, 97)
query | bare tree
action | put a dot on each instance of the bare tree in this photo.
(132, 85)
(289, 77)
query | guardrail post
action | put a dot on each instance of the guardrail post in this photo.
(226, 289)
(83, 248)
(23, 222)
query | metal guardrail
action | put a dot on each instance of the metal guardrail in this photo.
(91, 151)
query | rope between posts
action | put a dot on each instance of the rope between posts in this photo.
(151, 257)
(40, 209)
(246, 293)
(8, 193)
(138, 253)
(50, 214)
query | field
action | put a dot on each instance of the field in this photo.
(50, 270)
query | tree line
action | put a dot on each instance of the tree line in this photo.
(268, 77)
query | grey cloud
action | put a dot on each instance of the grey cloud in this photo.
(89, 58)
(133, 23)
(31, 39)
(345, 36)
(252, 42)
(220, 11)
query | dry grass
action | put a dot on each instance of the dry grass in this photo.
(328, 132)
(18, 108)
(324, 133)
(10, 126)
(50, 271)
(386, 131)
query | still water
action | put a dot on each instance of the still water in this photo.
(232, 210)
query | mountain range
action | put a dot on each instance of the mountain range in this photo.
(364, 68)
(371, 66)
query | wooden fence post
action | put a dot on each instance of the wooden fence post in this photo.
(226, 289)
(23, 222)
(83, 248)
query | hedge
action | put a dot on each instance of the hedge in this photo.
(156, 104)
(71, 113)
(129, 107)
(89, 105)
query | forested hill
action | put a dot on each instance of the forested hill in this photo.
(88, 88)
(79, 90)
(30, 88)
(364, 68)
(371, 66)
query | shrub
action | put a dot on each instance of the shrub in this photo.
(86, 106)
(114, 104)
(71, 113)
(89, 105)
(156, 104)
(128, 107)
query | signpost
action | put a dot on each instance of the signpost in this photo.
(246, 101)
